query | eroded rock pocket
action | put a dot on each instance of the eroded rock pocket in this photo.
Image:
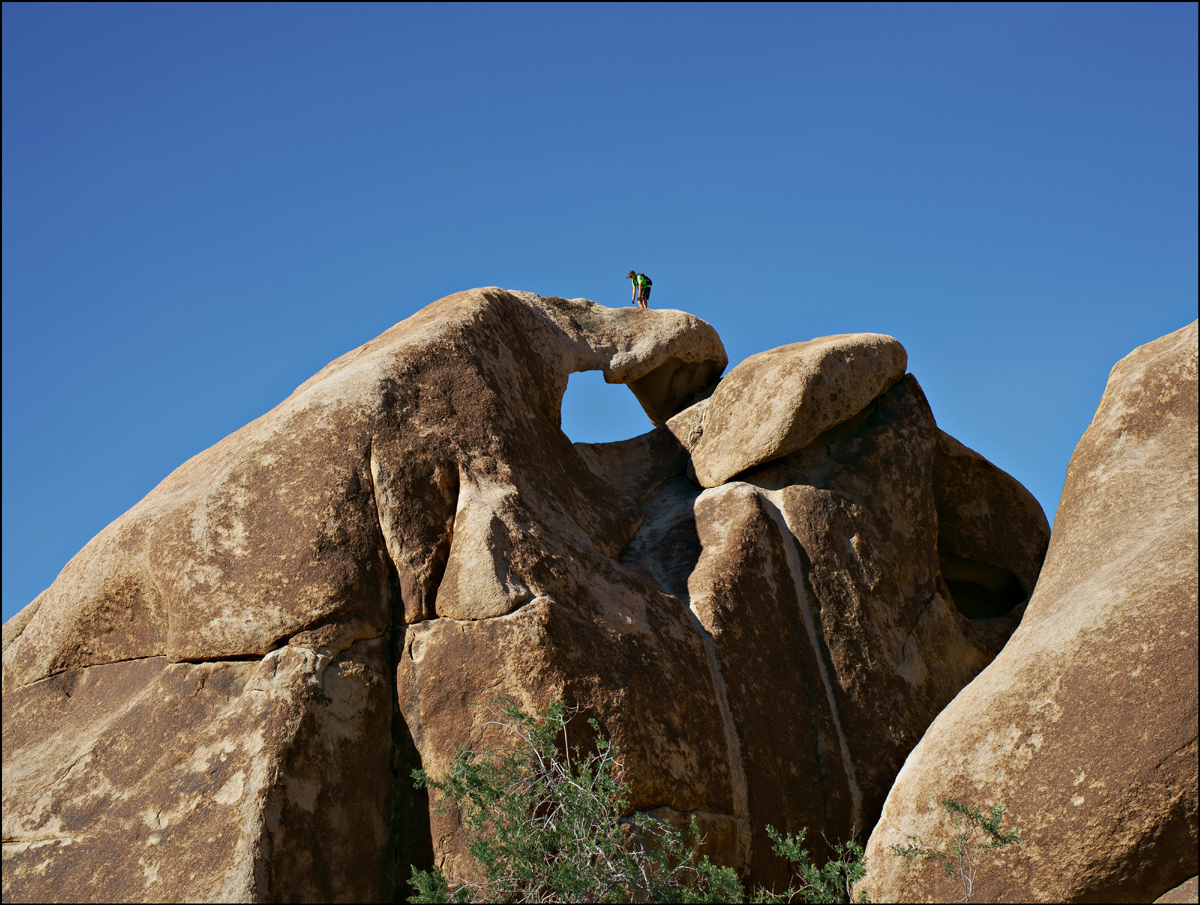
(981, 591)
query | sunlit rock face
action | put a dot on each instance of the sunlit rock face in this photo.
(223, 694)
(1085, 725)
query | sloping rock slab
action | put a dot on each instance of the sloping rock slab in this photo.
(1085, 725)
(747, 593)
(1185, 892)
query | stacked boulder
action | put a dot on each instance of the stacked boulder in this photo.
(764, 601)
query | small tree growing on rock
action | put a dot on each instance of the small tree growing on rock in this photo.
(976, 834)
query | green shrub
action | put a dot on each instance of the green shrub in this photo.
(546, 823)
(976, 833)
(834, 882)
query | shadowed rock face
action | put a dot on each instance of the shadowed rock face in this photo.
(1085, 725)
(223, 693)
(984, 518)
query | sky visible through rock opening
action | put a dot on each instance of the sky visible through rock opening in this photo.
(205, 204)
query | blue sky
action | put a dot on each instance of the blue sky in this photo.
(204, 204)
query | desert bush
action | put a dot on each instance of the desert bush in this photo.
(547, 823)
(976, 833)
(832, 882)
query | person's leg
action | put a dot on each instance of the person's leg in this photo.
(646, 297)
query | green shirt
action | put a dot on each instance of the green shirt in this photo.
(641, 281)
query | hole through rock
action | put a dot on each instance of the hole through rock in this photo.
(597, 412)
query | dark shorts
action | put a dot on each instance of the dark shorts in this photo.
(645, 294)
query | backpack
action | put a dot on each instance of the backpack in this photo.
(645, 280)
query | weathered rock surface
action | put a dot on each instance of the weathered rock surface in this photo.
(1085, 725)
(223, 694)
(776, 402)
(277, 529)
(150, 781)
(862, 507)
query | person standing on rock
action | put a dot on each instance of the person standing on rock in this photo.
(641, 289)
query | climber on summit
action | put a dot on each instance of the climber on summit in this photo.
(641, 289)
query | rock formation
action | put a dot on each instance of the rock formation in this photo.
(1085, 725)
(1185, 892)
(223, 693)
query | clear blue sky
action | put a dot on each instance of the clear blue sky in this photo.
(204, 204)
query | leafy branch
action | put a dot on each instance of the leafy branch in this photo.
(832, 882)
(977, 833)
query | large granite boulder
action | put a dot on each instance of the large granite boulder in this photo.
(223, 693)
(1085, 725)
(203, 703)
